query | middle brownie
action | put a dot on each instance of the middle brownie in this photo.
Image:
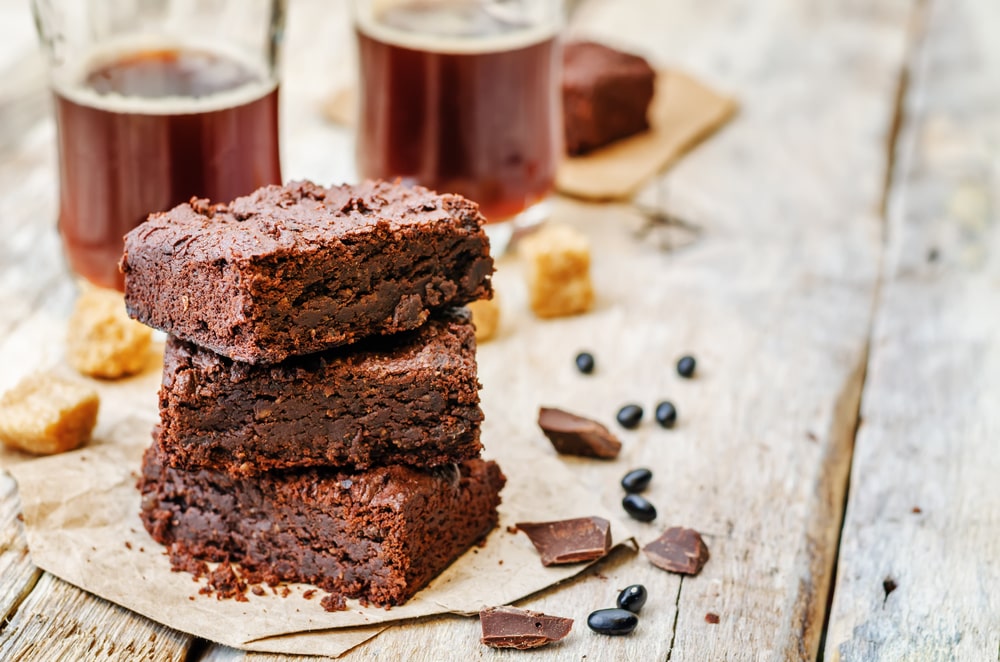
(411, 398)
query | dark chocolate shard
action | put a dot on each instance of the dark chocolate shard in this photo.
(575, 435)
(510, 627)
(569, 540)
(678, 550)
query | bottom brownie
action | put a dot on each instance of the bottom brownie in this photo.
(378, 535)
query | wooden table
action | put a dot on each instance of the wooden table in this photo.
(839, 447)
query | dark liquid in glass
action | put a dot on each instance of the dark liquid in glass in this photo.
(475, 116)
(120, 161)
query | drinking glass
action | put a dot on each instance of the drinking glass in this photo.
(156, 101)
(462, 96)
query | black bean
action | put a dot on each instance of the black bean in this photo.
(612, 621)
(637, 480)
(629, 416)
(632, 598)
(639, 508)
(585, 362)
(666, 414)
(685, 366)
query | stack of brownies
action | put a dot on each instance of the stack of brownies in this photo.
(320, 406)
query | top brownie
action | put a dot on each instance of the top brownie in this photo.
(291, 270)
(606, 95)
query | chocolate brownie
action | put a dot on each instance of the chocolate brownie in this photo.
(606, 95)
(291, 270)
(411, 398)
(378, 535)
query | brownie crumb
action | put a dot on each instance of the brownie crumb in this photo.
(257, 589)
(225, 582)
(128, 545)
(308, 595)
(711, 618)
(512, 530)
(181, 562)
(333, 602)
(916, 510)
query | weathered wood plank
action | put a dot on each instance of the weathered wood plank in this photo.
(17, 574)
(919, 568)
(60, 622)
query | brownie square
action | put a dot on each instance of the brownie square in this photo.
(296, 269)
(378, 535)
(606, 95)
(411, 398)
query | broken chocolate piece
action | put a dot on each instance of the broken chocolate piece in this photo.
(678, 550)
(575, 435)
(569, 540)
(510, 627)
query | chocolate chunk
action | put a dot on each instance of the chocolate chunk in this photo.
(569, 540)
(575, 435)
(510, 627)
(678, 550)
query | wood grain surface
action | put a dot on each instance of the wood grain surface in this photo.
(775, 296)
(919, 570)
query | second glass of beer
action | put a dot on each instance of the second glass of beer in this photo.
(462, 96)
(156, 102)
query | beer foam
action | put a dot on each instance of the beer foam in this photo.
(71, 83)
(443, 29)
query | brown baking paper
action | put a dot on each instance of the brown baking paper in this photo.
(683, 112)
(82, 525)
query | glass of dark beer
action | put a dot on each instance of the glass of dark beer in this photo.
(157, 101)
(462, 96)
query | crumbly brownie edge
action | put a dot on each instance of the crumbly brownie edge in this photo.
(301, 296)
(377, 536)
(411, 398)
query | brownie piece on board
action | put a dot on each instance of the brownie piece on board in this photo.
(378, 535)
(296, 269)
(411, 398)
(606, 95)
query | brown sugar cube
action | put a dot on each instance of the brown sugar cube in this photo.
(485, 317)
(46, 414)
(558, 270)
(102, 340)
